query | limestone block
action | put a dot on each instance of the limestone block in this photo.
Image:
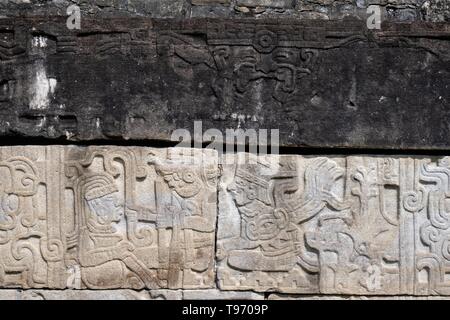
(40, 294)
(210, 2)
(215, 294)
(330, 297)
(266, 3)
(9, 295)
(68, 294)
(107, 217)
(164, 294)
(353, 225)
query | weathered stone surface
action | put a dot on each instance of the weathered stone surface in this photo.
(139, 223)
(9, 295)
(356, 225)
(101, 217)
(210, 294)
(107, 218)
(83, 295)
(164, 294)
(392, 10)
(266, 3)
(40, 294)
(215, 294)
(325, 297)
(209, 2)
(322, 84)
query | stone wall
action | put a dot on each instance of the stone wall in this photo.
(138, 79)
(398, 10)
(98, 200)
(186, 223)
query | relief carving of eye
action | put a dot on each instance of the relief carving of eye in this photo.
(188, 177)
(267, 225)
(268, 228)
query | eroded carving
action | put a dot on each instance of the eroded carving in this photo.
(103, 218)
(106, 218)
(339, 225)
(120, 242)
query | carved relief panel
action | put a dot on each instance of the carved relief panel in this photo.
(139, 218)
(31, 246)
(107, 218)
(335, 225)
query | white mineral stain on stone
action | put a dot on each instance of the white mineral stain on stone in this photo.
(69, 134)
(241, 119)
(41, 123)
(39, 42)
(382, 99)
(41, 89)
(52, 82)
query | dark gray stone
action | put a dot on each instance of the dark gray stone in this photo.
(323, 84)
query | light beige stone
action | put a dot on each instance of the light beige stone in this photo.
(215, 294)
(122, 294)
(355, 225)
(164, 294)
(328, 297)
(84, 295)
(100, 220)
(9, 295)
(107, 218)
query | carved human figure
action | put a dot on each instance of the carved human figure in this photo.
(105, 255)
(266, 241)
(184, 220)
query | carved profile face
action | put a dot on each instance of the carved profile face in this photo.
(107, 209)
(242, 191)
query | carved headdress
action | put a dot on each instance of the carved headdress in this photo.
(268, 173)
(262, 184)
(90, 187)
